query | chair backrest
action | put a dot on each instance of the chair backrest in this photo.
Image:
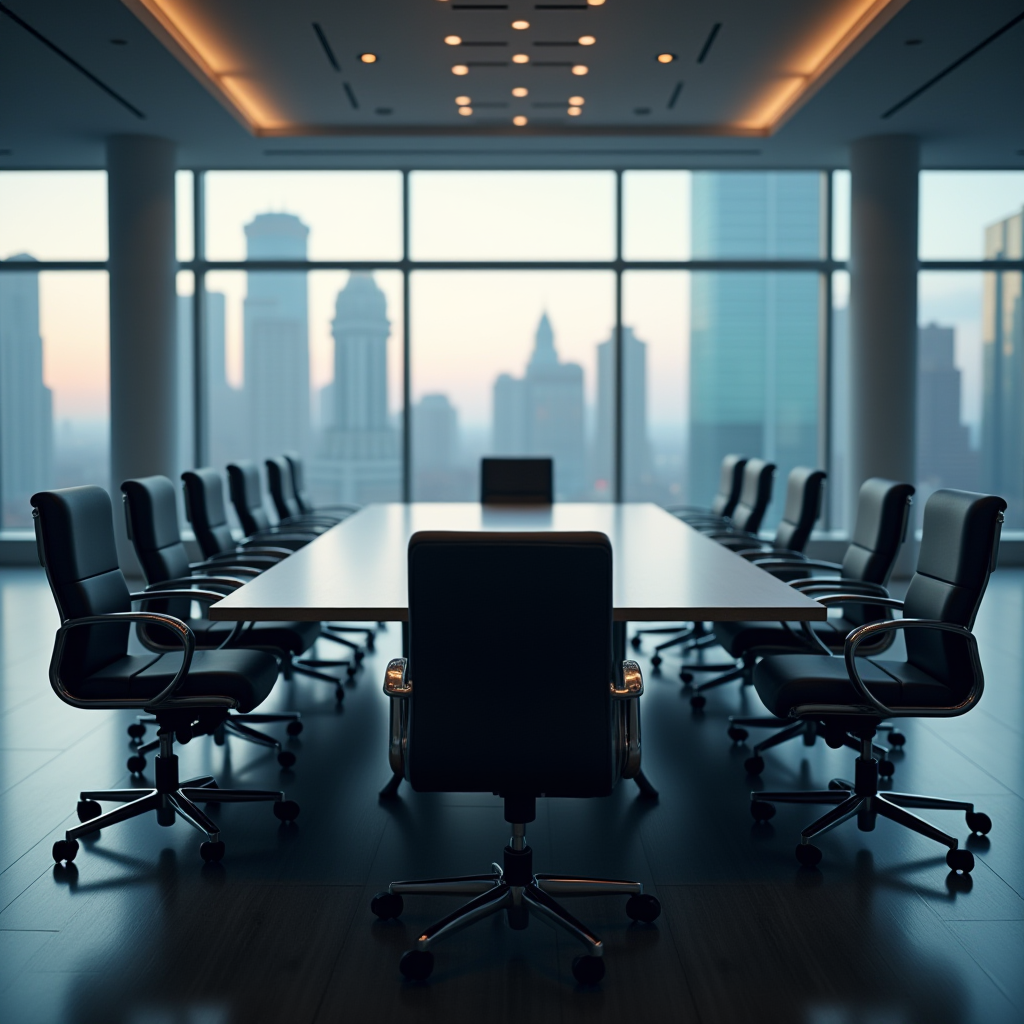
(804, 490)
(294, 460)
(730, 483)
(959, 548)
(516, 481)
(755, 495)
(518, 707)
(247, 496)
(282, 488)
(879, 529)
(75, 541)
(204, 505)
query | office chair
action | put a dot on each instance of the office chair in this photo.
(879, 529)
(516, 481)
(286, 505)
(91, 668)
(515, 711)
(730, 481)
(151, 519)
(941, 676)
(306, 506)
(755, 497)
(247, 499)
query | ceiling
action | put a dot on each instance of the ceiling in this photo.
(255, 83)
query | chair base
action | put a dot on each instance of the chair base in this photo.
(861, 798)
(515, 889)
(170, 799)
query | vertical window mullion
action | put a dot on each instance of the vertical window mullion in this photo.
(200, 413)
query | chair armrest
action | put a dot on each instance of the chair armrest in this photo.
(262, 550)
(311, 519)
(398, 687)
(626, 691)
(770, 561)
(840, 586)
(165, 698)
(184, 581)
(202, 596)
(222, 562)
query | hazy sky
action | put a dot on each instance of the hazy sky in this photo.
(465, 327)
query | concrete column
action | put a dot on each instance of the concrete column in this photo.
(143, 363)
(883, 311)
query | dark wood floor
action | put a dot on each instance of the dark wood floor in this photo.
(139, 931)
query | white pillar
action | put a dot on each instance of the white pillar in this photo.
(883, 310)
(143, 363)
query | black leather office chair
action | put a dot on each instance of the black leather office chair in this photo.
(755, 497)
(91, 668)
(286, 504)
(305, 503)
(941, 676)
(247, 498)
(730, 483)
(879, 529)
(516, 481)
(516, 711)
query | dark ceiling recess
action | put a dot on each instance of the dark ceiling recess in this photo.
(573, 42)
(328, 52)
(675, 95)
(479, 7)
(486, 63)
(4, 9)
(351, 96)
(552, 63)
(559, 7)
(464, 43)
(952, 67)
(705, 49)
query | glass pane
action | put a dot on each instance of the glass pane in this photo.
(753, 375)
(511, 363)
(311, 362)
(53, 215)
(656, 393)
(753, 215)
(958, 208)
(54, 385)
(512, 215)
(338, 215)
(838, 495)
(840, 215)
(183, 215)
(656, 215)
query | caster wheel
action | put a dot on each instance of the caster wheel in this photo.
(588, 970)
(980, 824)
(960, 860)
(754, 765)
(65, 850)
(212, 853)
(897, 739)
(886, 768)
(416, 964)
(655, 660)
(286, 759)
(387, 905)
(736, 734)
(136, 764)
(286, 810)
(636, 643)
(809, 856)
(88, 809)
(294, 728)
(697, 701)
(686, 677)
(643, 907)
(137, 731)
(761, 810)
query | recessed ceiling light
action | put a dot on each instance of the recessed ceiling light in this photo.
(576, 101)
(666, 58)
(453, 40)
(519, 120)
(587, 40)
(520, 91)
(368, 58)
(465, 111)
(520, 58)
(460, 69)
(595, 3)
(575, 111)
(520, 24)
(463, 101)
(580, 69)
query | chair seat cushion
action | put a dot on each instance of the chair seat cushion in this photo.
(784, 681)
(294, 637)
(245, 676)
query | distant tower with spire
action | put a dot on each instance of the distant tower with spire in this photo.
(541, 413)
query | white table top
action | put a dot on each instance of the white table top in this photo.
(663, 569)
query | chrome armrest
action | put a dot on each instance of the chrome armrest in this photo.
(165, 698)
(626, 690)
(830, 600)
(223, 563)
(840, 586)
(184, 581)
(772, 561)
(262, 550)
(288, 532)
(202, 596)
(398, 687)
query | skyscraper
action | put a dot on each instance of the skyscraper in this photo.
(1002, 338)
(753, 335)
(542, 414)
(276, 339)
(636, 448)
(26, 407)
